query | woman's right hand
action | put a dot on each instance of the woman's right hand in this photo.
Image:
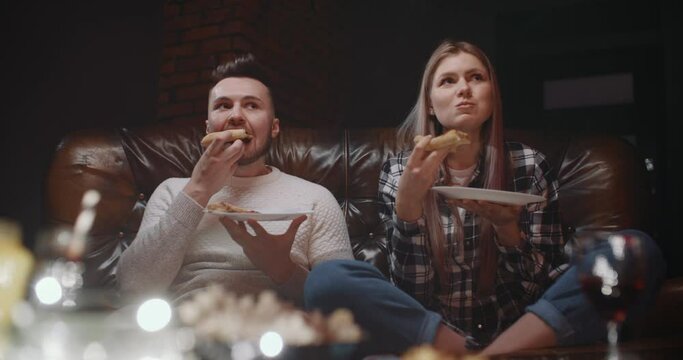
(418, 177)
(214, 168)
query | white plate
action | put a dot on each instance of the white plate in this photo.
(496, 196)
(276, 215)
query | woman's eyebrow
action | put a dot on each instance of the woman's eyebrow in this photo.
(467, 72)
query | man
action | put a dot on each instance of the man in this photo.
(181, 249)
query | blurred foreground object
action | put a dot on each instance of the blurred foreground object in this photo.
(58, 282)
(218, 315)
(428, 352)
(16, 264)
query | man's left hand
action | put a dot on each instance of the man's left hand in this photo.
(268, 252)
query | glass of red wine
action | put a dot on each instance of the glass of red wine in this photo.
(612, 269)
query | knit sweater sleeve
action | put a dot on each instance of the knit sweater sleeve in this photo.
(154, 258)
(329, 237)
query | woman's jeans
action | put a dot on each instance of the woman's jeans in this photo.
(395, 321)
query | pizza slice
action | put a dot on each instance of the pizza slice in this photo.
(451, 138)
(229, 208)
(234, 134)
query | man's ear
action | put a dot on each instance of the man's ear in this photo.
(275, 128)
(207, 126)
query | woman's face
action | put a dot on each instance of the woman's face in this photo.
(461, 95)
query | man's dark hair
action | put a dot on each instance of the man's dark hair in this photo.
(242, 66)
(245, 66)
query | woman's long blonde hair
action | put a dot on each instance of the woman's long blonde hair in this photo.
(493, 170)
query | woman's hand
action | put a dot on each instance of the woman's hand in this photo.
(418, 177)
(214, 168)
(504, 218)
(268, 252)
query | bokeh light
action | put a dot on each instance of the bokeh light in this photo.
(22, 315)
(94, 351)
(48, 291)
(154, 315)
(271, 344)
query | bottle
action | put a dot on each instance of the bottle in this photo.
(16, 265)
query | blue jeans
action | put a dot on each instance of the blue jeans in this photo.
(566, 309)
(395, 321)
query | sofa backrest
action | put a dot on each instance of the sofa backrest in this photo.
(603, 183)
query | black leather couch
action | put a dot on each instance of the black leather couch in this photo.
(603, 184)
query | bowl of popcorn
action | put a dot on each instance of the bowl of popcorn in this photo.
(228, 326)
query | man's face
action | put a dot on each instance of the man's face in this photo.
(244, 103)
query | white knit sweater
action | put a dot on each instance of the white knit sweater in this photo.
(181, 249)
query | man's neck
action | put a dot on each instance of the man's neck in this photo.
(257, 168)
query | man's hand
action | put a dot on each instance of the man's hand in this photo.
(269, 253)
(503, 217)
(214, 168)
(419, 176)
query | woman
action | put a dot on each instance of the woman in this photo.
(477, 273)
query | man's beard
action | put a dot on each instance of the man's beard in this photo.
(258, 153)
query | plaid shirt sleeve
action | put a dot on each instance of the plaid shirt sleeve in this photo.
(541, 258)
(410, 264)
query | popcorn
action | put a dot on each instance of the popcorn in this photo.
(428, 352)
(218, 315)
(342, 327)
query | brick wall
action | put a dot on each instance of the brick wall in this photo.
(296, 40)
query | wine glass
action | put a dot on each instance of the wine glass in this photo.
(58, 277)
(611, 268)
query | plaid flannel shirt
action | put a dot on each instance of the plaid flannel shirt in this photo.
(523, 274)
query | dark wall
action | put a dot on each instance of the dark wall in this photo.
(67, 66)
(98, 64)
(387, 46)
(576, 39)
(669, 144)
